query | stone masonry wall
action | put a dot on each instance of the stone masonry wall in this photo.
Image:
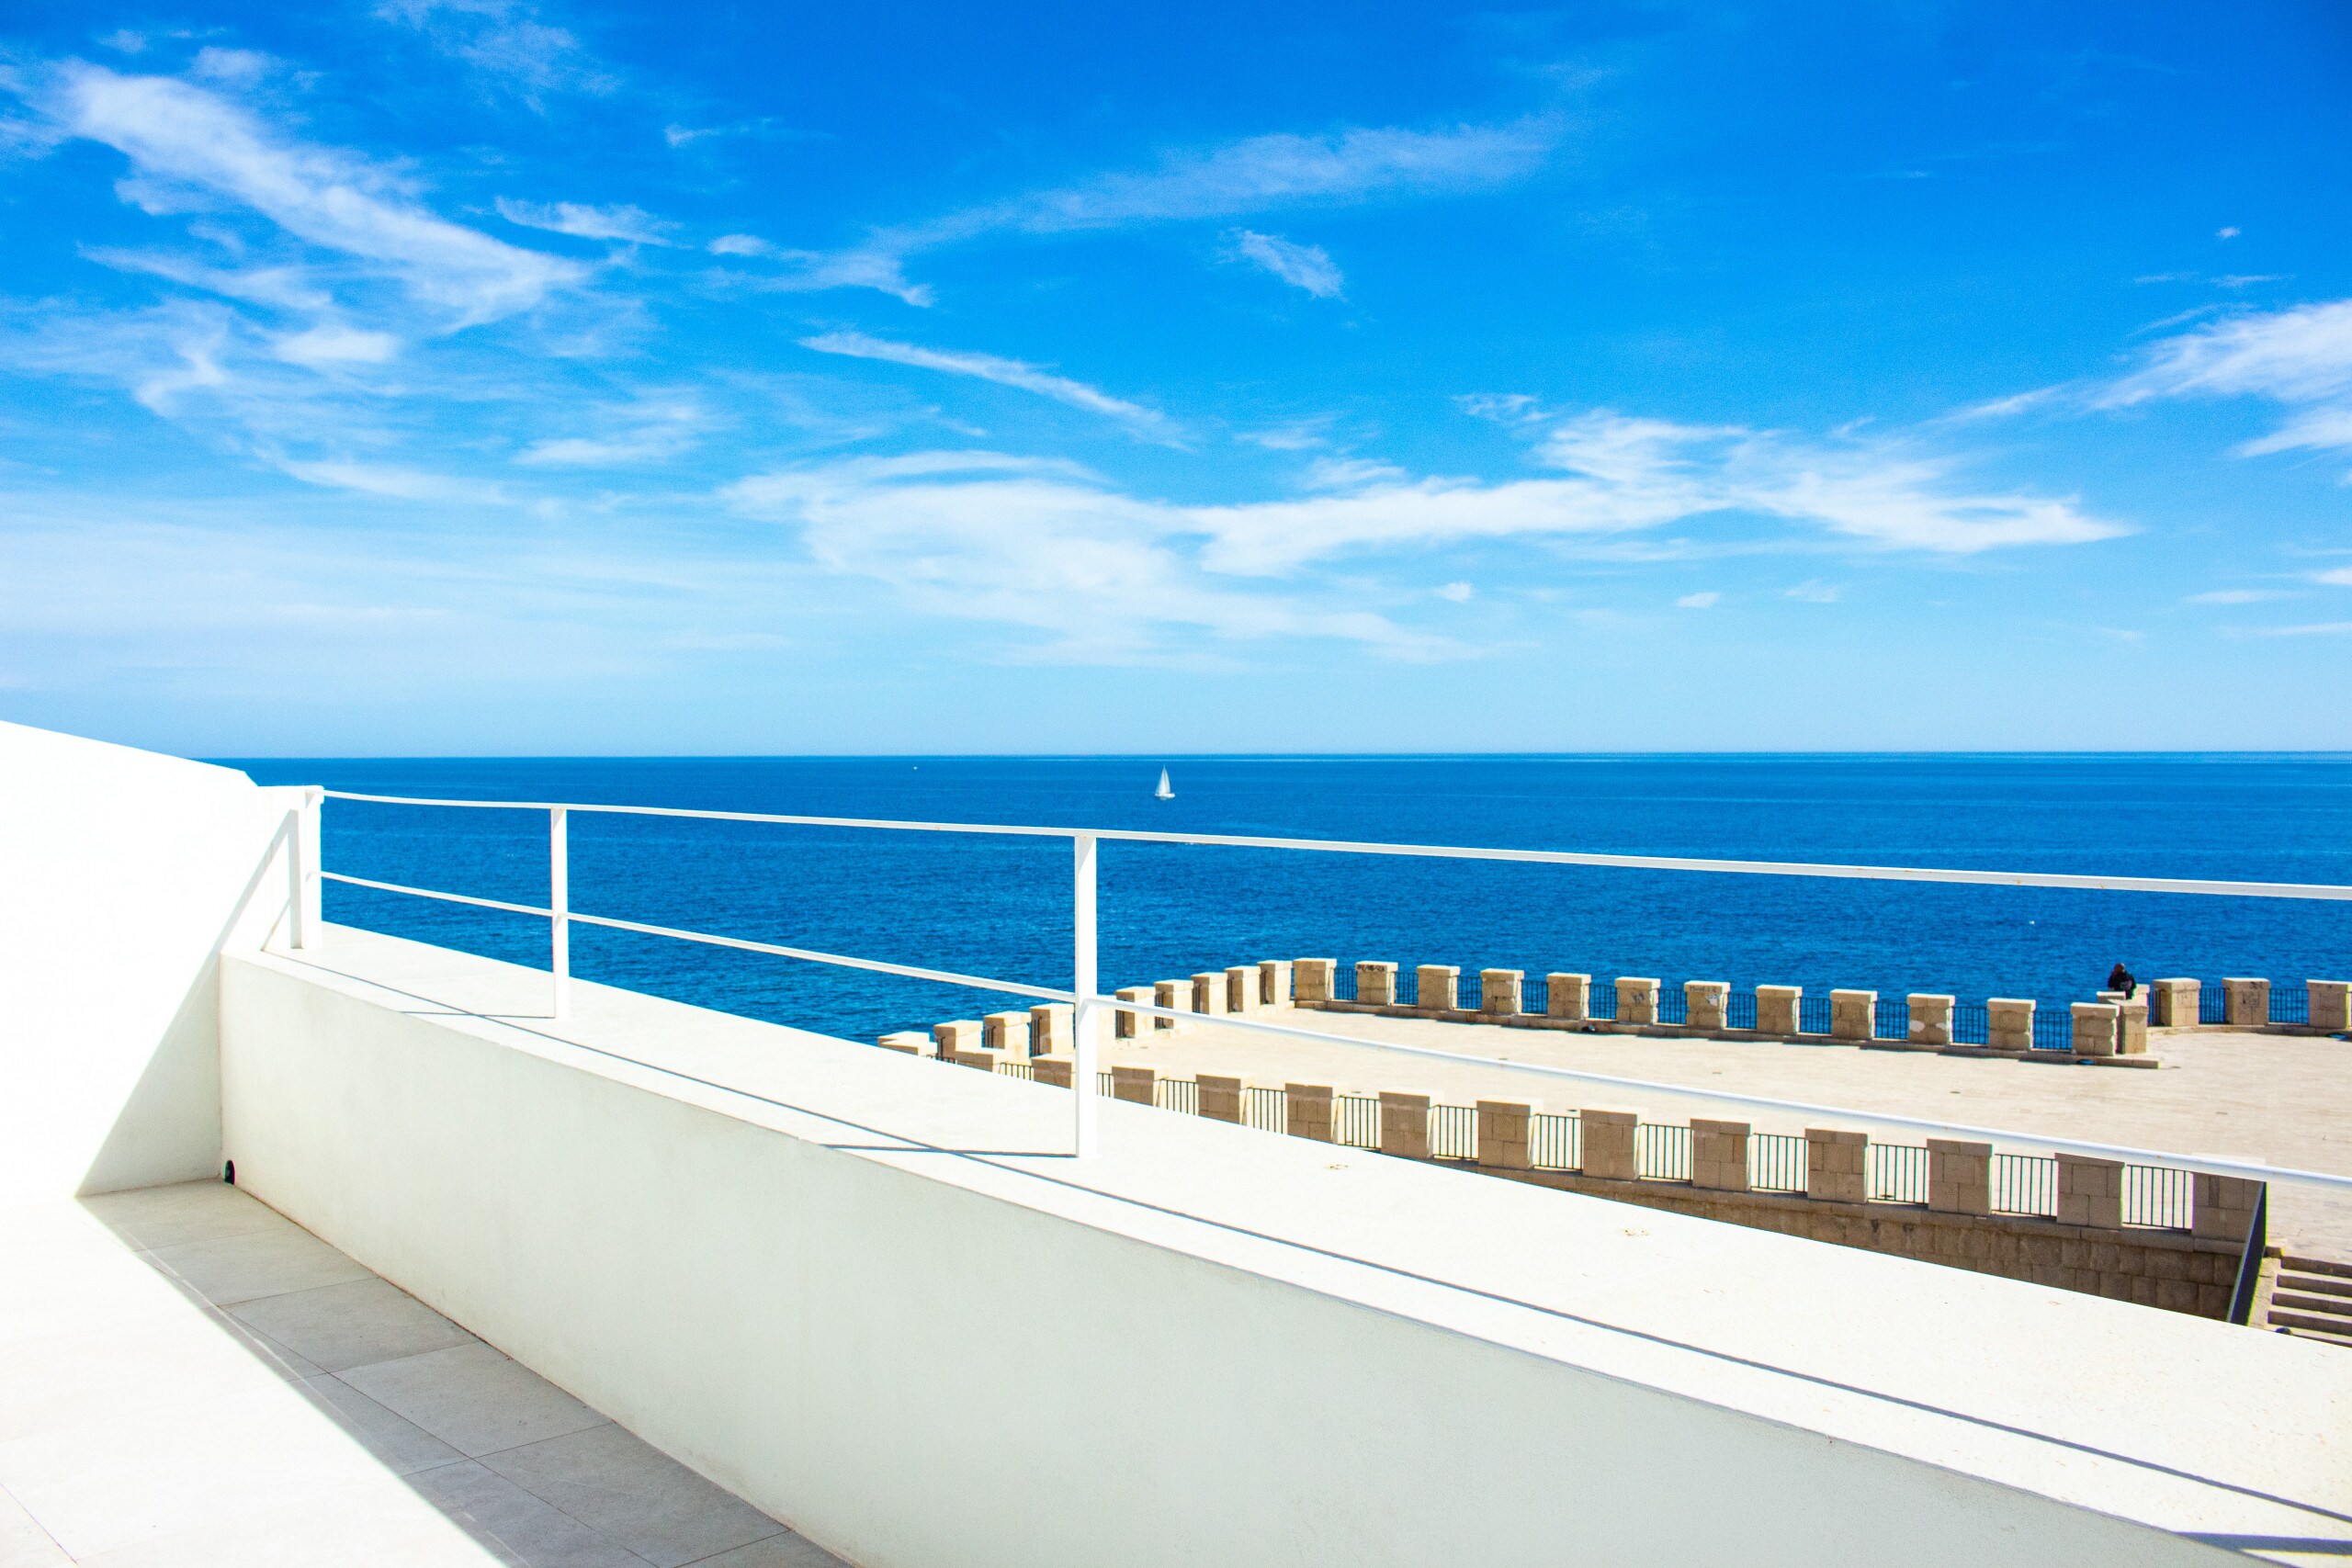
(2159, 1269)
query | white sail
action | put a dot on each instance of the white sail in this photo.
(1164, 792)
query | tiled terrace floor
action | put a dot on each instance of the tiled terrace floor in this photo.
(189, 1379)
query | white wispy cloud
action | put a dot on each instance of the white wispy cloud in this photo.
(1052, 547)
(1300, 435)
(193, 360)
(632, 225)
(184, 140)
(2300, 358)
(983, 535)
(284, 287)
(332, 342)
(1706, 601)
(1302, 266)
(815, 271)
(1005, 372)
(1261, 172)
(765, 126)
(1629, 475)
(507, 42)
(1350, 474)
(1255, 175)
(391, 481)
(231, 67)
(2340, 576)
(648, 432)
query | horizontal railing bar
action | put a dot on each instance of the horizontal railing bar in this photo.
(945, 977)
(2325, 891)
(445, 897)
(988, 827)
(2070, 1146)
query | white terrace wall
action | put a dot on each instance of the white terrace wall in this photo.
(919, 1375)
(122, 875)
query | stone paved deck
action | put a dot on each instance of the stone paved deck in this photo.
(2285, 1098)
(187, 1379)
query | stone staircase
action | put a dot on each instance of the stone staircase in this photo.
(2310, 1297)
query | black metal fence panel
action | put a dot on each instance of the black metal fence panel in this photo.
(1662, 1153)
(2157, 1195)
(2025, 1184)
(1776, 1162)
(1556, 1143)
(1896, 1173)
(1454, 1132)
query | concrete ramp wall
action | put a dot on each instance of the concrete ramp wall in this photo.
(123, 874)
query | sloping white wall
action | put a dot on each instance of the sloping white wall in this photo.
(123, 874)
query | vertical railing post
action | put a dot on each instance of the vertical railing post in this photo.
(559, 901)
(303, 931)
(1085, 1016)
(298, 930)
(301, 841)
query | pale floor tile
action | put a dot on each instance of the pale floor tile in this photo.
(157, 1217)
(351, 1325)
(473, 1398)
(785, 1550)
(401, 1446)
(143, 1427)
(117, 1368)
(610, 1479)
(73, 1273)
(235, 1268)
(379, 1524)
(108, 1484)
(23, 1543)
(523, 1529)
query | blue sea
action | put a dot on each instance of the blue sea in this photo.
(1002, 907)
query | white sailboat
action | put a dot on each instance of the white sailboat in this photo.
(1164, 792)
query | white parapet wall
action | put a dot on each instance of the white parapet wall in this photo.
(872, 1294)
(122, 873)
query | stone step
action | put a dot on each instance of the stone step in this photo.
(2296, 1264)
(2334, 1328)
(2326, 1306)
(2317, 1336)
(2314, 1284)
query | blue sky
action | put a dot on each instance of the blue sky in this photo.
(474, 376)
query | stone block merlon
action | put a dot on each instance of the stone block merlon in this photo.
(1777, 1007)
(1499, 991)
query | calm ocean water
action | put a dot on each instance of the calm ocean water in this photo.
(1002, 907)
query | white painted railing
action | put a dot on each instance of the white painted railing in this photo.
(1088, 1004)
